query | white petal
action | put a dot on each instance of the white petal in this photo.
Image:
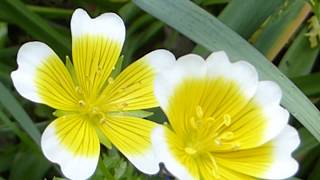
(284, 165)
(30, 56)
(160, 59)
(146, 163)
(109, 25)
(73, 166)
(188, 66)
(241, 72)
(268, 97)
(172, 165)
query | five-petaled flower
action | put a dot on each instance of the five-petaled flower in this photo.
(92, 104)
(223, 122)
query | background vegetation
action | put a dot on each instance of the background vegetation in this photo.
(280, 37)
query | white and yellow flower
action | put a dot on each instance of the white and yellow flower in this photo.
(223, 122)
(91, 102)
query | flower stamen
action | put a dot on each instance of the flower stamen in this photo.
(190, 150)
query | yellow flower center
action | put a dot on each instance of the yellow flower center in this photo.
(209, 135)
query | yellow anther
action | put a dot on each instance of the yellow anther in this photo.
(110, 80)
(82, 103)
(227, 119)
(103, 120)
(217, 141)
(199, 112)
(236, 146)
(78, 90)
(190, 150)
(123, 105)
(210, 119)
(227, 135)
(193, 123)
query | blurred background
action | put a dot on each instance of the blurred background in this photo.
(286, 32)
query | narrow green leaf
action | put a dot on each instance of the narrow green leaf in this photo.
(308, 142)
(309, 84)
(117, 69)
(28, 165)
(3, 33)
(280, 27)
(14, 108)
(137, 41)
(134, 113)
(128, 12)
(315, 174)
(15, 129)
(244, 18)
(212, 2)
(300, 57)
(205, 29)
(104, 169)
(7, 53)
(14, 11)
(103, 138)
(51, 12)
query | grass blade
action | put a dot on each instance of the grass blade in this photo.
(280, 27)
(244, 18)
(206, 30)
(309, 84)
(14, 11)
(300, 57)
(15, 109)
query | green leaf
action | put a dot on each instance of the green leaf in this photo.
(117, 69)
(104, 169)
(309, 84)
(134, 113)
(308, 143)
(28, 165)
(14, 11)
(315, 174)
(300, 57)
(280, 27)
(71, 70)
(51, 12)
(3, 33)
(103, 138)
(244, 18)
(16, 130)
(7, 153)
(206, 30)
(58, 178)
(15, 109)
(138, 40)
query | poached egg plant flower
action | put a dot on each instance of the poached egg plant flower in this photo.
(223, 122)
(92, 104)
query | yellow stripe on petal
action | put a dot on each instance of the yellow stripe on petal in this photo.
(133, 88)
(174, 154)
(213, 110)
(42, 77)
(94, 58)
(272, 160)
(72, 142)
(132, 136)
(226, 174)
(96, 46)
